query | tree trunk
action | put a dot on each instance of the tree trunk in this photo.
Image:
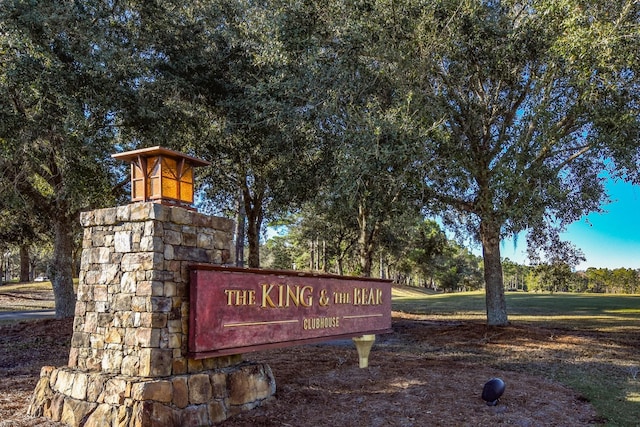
(494, 287)
(24, 263)
(365, 256)
(253, 237)
(340, 266)
(366, 241)
(253, 208)
(241, 217)
(76, 259)
(61, 270)
(325, 260)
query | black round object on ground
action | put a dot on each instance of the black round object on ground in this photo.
(492, 391)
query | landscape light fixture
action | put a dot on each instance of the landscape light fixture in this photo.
(161, 175)
(492, 391)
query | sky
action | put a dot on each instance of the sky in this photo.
(608, 240)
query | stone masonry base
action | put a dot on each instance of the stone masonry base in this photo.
(85, 399)
(128, 363)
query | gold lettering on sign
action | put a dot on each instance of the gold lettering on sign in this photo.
(341, 298)
(324, 299)
(278, 295)
(240, 296)
(320, 323)
(283, 296)
(367, 296)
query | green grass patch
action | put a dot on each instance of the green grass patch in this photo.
(26, 287)
(26, 296)
(606, 371)
(600, 312)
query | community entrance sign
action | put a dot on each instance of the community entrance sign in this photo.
(237, 310)
(143, 315)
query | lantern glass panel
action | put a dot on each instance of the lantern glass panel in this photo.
(186, 192)
(153, 167)
(137, 182)
(169, 168)
(187, 174)
(137, 190)
(169, 188)
(169, 184)
(186, 183)
(153, 171)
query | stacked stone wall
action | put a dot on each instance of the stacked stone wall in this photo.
(132, 303)
(78, 398)
(128, 356)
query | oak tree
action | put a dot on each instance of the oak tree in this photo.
(55, 128)
(534, 101)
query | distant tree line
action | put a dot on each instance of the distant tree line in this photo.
(560, 277)
(413, 253)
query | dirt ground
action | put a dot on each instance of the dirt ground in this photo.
(426, 373)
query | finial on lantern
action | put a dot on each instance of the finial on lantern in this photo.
(161, 175)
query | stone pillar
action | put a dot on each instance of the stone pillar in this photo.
(128, 361)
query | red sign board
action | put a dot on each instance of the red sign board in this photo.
(237, 310)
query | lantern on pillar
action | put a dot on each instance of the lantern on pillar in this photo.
(161, 175)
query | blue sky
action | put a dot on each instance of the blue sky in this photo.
(608, 240)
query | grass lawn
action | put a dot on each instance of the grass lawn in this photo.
(566, 310)
(606, 372)
(25, 287)
(26, 296)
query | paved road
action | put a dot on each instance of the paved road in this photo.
(26, 315)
